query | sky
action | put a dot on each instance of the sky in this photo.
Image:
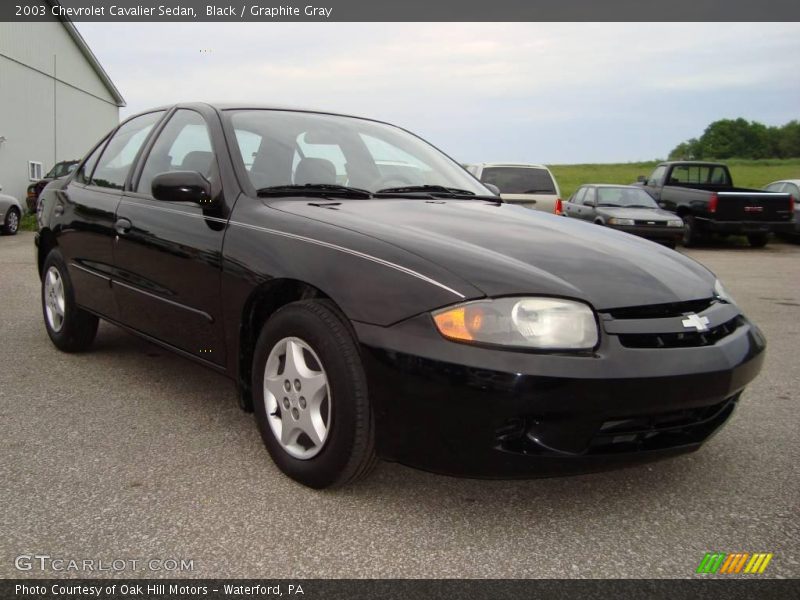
(554, 93)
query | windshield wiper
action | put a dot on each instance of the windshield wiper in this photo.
(316, 189)
(640, 206)
(435, 191)
(611, 205)
(535, 191)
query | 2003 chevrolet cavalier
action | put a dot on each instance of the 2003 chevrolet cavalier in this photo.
(372, 299)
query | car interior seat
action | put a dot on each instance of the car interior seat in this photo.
(315, 170)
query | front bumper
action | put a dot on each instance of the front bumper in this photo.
(744, 227)
(651, 232)
(482, 412)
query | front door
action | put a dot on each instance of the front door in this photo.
(168, 258)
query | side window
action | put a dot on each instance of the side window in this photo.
(590, 196)
(657, 177)
(578, 197)
(113, 166)
(183, 145)
(85, 173)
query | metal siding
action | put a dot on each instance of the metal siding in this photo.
(31, 101)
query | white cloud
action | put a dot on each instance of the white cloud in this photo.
(482, 87)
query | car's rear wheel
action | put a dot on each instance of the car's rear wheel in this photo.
(310, 396)
(691, 236)
(70, 328)
(11, 222)
(758, 240)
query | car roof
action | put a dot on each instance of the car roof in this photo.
(794, 181)
(615, 185)
(509, 164)
(223, 106)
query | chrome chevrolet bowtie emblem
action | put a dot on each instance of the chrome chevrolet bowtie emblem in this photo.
(699, 323)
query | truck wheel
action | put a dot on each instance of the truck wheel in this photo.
(70, 328)
(691, 236)
(11, 223)
(758, 240)
(310, 396)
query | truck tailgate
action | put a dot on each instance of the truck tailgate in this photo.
(753, 206)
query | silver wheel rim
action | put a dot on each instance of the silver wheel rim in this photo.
(13, 221)
(54, 304)
(297, 398)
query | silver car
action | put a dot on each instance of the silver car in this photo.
(789, 186)
(11, 212)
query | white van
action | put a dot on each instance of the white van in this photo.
(532, 186)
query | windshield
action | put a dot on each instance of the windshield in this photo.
(519, 180)
(624, 196)
(61, 169)
(281, 148)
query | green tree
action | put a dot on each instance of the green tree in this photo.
(738, 138)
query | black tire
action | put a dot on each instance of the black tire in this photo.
(11, 222)
(758, 240)
(78, 327)
(348, 451)
(691, 236)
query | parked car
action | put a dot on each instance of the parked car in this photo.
(10, 211)
(60, 169)
(703, 195)
(427, 323)
(532, 186)
(625, 208)
(791, 187)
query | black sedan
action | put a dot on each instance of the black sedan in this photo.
(626, 208)
(370, 298)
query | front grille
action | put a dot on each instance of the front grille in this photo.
(686, 339)
(544, 435)
(665, 430)
(651, 223)
(661, 311)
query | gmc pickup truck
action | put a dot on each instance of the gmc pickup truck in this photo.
(702, 193)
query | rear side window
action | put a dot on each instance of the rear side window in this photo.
(519, 180)
(113, 166)
(85, 173)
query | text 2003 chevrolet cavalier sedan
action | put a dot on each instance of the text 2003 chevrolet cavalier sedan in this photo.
(372, 299)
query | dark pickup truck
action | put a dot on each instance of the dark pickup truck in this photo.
(702, 193)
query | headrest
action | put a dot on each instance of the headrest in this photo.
(314, 170)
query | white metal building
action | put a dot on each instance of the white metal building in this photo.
(56, 100)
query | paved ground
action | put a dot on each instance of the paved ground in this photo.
(129, 452)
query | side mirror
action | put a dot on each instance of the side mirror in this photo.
(492, 188)
(590, 203)
(181, 186)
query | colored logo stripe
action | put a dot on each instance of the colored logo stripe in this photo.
(720, 562)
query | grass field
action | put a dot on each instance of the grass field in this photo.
(745, 173)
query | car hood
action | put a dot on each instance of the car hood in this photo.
(509, 250)
(639, 214)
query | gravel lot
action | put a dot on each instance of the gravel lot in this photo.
(129, 452)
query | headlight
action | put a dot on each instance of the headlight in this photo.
(722, 294)
(675, 223)
(541, 323)
(616, 221)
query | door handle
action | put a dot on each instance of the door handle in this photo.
(122, 226)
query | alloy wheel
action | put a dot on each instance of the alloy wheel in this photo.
(297, 398)
(55, 304)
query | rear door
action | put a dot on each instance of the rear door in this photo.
(87, 207)
(168, 260)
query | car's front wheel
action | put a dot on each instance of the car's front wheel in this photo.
(11, 222)
(310, 396)
(71, 328)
